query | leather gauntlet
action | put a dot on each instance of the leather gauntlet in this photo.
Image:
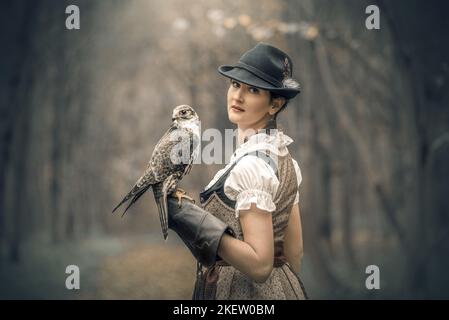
(200, 230)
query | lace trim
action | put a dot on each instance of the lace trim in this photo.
(262, 199)
(276, 143)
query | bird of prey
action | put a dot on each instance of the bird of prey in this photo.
(172, 158)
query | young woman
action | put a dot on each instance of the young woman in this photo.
(247, 236)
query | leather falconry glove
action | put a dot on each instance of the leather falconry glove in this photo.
(200, 230)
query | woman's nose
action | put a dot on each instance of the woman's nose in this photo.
(238, 94)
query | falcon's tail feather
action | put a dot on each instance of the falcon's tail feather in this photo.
(127, 197)
(136, 192)
(165, 226)
(162, 215)
(136, 197)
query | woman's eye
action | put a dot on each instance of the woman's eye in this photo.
(235, 84)
(253, 90)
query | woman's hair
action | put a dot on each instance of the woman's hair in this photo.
(287, 83)
(274, 96)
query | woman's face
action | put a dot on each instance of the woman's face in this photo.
(248, 106)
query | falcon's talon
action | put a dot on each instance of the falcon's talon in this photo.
(180, 193)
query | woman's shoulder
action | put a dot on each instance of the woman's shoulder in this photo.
(251, 173)
(255, 164)
(252, 180)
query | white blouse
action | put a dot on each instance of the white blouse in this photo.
(253, 180)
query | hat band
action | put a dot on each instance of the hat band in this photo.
(260, 74)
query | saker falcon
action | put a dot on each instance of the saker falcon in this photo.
(172, 158)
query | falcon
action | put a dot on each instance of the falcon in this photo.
(171, 160)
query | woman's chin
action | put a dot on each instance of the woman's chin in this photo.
(235, 119)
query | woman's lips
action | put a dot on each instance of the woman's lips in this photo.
(237, 109)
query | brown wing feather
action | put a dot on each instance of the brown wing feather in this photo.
(158, 169)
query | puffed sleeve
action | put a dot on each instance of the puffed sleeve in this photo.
(298, 178)
(252, 180)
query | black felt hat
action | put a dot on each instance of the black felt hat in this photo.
(265, 67)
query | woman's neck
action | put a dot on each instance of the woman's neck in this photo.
(245, 132)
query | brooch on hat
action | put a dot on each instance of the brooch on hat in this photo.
(289, 82)
(287, 70)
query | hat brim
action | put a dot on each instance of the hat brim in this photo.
(247, 77)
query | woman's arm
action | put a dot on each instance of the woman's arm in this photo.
(293, 244)
(253, 256)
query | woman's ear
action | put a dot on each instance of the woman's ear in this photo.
(277, 104)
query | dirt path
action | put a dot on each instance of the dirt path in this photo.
(114, 267)
(147, 272)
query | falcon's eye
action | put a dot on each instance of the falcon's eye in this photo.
(183, 112)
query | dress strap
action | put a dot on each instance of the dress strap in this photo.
(218, 186)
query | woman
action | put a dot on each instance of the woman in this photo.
(247, 236)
